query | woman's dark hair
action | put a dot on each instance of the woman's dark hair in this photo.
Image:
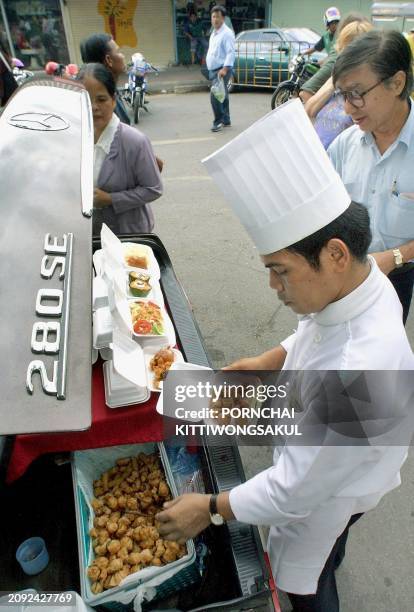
(101, 73)
(219, 9)
(385, 52)
(352, 227)
(95, 48)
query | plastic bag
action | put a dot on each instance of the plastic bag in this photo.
(331, 120)
(218, 89)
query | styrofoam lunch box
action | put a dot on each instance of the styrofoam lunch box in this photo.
(155, 295)
(169, 333)
(125, 379)
(149, 352)
(88, 466)
(102, 326)
(153, 268)
(100, 297)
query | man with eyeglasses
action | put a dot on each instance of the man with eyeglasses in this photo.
(375, 157)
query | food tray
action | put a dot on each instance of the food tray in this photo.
(87, 466)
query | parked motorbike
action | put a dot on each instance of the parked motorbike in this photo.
(19, 72)
(301, 69)
(135, 90)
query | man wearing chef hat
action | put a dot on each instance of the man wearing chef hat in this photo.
(314, 241)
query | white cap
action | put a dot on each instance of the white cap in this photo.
(279, 180)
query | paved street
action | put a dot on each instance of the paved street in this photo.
(240, 315)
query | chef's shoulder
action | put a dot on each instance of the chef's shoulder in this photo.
(384, 347)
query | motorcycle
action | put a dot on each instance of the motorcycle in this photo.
(301, 69)
(135, 89)
(19, 72)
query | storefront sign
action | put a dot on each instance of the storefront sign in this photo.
(119, 20)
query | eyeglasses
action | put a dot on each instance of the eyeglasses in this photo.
(355, 97)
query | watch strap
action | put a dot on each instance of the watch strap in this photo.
(213, 504)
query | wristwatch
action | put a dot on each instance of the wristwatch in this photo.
(398, 258)
(215, 516)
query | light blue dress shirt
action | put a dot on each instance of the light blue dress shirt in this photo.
(221, 48)
(383, 183)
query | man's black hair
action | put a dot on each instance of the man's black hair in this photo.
(101, 73)
(219, 9)
(352, 227)
(386, 52)
(95, 48)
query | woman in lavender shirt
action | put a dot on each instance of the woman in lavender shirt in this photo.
(126, 174)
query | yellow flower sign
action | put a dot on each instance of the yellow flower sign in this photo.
(119, 20)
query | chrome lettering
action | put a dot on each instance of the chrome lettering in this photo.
(44, 345)
(53, 263)
(48, 386)
(47, 310)
(54, 246)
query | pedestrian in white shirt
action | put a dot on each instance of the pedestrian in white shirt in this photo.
(314, 242)
(375, 157)
(220, 61)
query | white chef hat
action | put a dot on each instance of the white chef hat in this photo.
(278, 179)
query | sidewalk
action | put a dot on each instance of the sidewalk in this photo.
(177, 79)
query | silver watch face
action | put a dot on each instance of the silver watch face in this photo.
(217, 519)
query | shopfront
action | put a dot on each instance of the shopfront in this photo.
(37, 31)
(34, 31)
(242, 15)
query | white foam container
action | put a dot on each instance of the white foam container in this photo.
(99, 293)
(102, 326)
(125, 377)
(168, 337)
(155, 295)
(153, 267)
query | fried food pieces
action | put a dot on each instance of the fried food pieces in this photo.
(125, 538)
(160, 364)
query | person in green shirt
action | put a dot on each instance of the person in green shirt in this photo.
(194, 31)
(331, 20)
(312, 85)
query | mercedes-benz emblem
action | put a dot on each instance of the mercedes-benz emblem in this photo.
(40, 122)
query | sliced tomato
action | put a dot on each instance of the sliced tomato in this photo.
(142, 327)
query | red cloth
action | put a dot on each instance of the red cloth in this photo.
(130, 425)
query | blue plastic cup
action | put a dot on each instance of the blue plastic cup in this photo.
(33, 556)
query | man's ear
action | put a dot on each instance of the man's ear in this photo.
(338, 253)
(108, 61)
(398, 81)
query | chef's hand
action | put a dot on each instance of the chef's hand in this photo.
(270, 360)
(184, 517)
(385, 261)
(222, 73)
(101, 198)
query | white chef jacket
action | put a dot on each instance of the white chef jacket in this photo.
(309, 494)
